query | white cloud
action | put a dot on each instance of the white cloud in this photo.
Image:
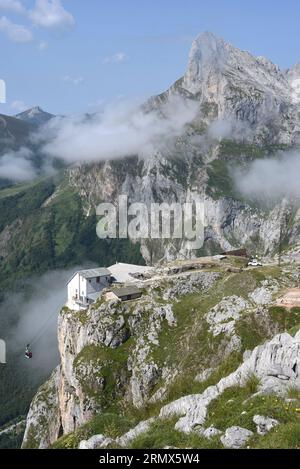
(232, 129)
(119, 131)
(15, 32)
(17, 166)
(73, 80)
(271, 179)
(35, 314)
(14, 6)
(18, 105)
(116, 58)
(51, 14)
(42, 46)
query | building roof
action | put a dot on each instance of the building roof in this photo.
(92, 273)
(123, 272)
(94, 296)
(126, 291)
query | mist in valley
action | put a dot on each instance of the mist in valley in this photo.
(28, 315)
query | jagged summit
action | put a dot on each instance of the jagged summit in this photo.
(35, 115)
(212, 59)
(233, 85)
(208, 49)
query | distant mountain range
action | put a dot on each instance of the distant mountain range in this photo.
(15, 130)
(13, 133)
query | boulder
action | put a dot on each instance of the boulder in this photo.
(236, 437)
(264, 424)
(261, 296)
(210, 432)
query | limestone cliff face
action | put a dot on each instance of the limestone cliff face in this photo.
(87, 375)
(245, 107)
(43, 425)
(229, 223)
(79, 379)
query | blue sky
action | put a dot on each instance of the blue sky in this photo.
(72, 56)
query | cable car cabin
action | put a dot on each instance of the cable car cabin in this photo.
(85, 286)
(28, 352)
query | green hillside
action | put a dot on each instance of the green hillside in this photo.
(41, 237)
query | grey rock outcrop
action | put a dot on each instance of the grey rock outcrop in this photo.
(92, 443)
(101, 441)
(264, 424)
(236, 437)
(222, 319)
(261, 296)
(196, 282)
(211, 432)
(141, 428)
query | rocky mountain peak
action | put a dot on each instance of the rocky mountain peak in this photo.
(208, 56)
(35, 115)
(214, 63)
(209, 49)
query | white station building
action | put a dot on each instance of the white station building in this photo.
(85, 287)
